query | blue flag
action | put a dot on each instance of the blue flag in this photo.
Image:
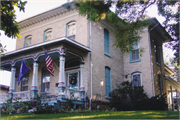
(23, 70)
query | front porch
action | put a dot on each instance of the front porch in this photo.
(69, 64)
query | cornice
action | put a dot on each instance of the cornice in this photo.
(48, 15)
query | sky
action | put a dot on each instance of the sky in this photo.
(34, 7)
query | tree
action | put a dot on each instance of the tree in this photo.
(130, 18)
(8, 18)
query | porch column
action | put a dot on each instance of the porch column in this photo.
(172, 99)
(61, 85)
(82, 80)
(12, 82)
(34, 89)
(177, 97)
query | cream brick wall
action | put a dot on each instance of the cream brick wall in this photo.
(58, 26)
(100, 60)
(142, 66)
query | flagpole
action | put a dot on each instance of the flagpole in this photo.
(53, 61)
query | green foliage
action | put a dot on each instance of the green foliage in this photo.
(130, 18)
(125, 97)
(8, 22)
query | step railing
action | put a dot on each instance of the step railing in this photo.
(73, 94)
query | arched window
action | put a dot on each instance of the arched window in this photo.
(136, 79)
(108, 81)
(45, 85)
(71, 30)
(106, 42)
(47, 34)
(27, 41)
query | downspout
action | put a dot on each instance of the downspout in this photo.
(90, 61)
(151, 59)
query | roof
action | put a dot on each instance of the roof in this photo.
(168, 70)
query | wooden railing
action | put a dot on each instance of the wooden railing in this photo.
(3, 98)
(22, 96)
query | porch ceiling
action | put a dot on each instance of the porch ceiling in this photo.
(46, 44)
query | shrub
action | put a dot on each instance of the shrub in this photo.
(125, 97)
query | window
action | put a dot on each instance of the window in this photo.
(73, 76)
(71, 30)
(134, 55)
(157, 52)
(108, 81)
(24, 82)
(45, 86)
(106, 42)
(27, 41)
(159, 83)
(136, 79)
(48, 34)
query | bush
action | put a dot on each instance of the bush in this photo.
(125, 97)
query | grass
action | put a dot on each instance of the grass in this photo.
(100, 115)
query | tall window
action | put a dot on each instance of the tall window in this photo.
(134, 55)
(45, 86)
(48, 34)
(159, 83)
(106, 42)
(24, 82)
(71, 30)
(136, 79)
(108, 81)
(157, 52)
(27, 41)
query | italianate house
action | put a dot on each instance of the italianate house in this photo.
(85, 61)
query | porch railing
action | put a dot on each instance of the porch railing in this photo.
(22, 96)
(3, 98)
(72, 93)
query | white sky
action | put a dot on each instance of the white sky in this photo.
(34, 7)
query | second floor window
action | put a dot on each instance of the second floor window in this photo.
(134, 55)
(106, 42)
(157, 52)
(27, 41)
(71, 30)
(47, 34)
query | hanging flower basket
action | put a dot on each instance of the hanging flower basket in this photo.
(73, 80)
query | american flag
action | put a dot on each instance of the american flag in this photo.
(49, 64)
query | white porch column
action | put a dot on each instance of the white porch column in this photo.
(12, 82)
(34, 89)
(61, 85)
(82, 80)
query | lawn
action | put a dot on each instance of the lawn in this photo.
(100, 115)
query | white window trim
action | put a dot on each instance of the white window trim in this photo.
(68, 28)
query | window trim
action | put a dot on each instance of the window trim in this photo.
(45, 32)
(137, 60)
(135, 73)
(108, 53)
(107, 96)
(26, 75)
(25, 40)
(73, 21)
(44, 68)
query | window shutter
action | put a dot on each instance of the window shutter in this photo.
(106, 42)
(108, 81)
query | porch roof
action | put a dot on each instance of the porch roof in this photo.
(173, 83)
(64, 40)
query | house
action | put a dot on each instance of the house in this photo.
(82, 51)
